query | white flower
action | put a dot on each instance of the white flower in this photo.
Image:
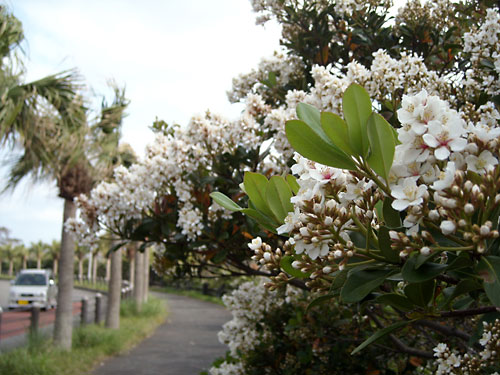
(482, 163)
(440, 349)
(255, 244)
(485, 338)
(445, 178)
(444, 138)
(407, 193)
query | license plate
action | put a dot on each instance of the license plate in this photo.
(22, 302)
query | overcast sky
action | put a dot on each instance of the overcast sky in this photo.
(176, 59)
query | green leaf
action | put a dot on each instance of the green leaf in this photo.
(319, 301)
(225, 201)
(360, 283)
(464, 286)
(357, 108)
(379, 334)
(311, 116)
(392, 218)
(286, 265)
(265, 221)
(420, 293)
(396, 300)
(489, 269)
(312, 146)
(255, 187)
(292, 182)
(382, 145)
(336, 129)
(425, 272)
(339, 280)
(220, 256)
(384, 241)
(278, 196)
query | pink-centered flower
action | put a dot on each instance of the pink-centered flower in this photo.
(444, 138)
(407, 193)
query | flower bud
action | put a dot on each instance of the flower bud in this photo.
(267, 256)
(448, 227)
(338, 254)
(433, 215)
(469, 209)
(484, 230)
(296, 264)
(425, 250)
(326, 270)
(328, 221)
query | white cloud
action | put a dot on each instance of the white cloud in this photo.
(176, 58)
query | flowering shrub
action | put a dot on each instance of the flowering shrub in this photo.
(393, 210)
(272, 333)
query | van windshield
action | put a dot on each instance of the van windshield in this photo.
(31, 279)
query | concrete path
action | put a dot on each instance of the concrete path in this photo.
(185, 345)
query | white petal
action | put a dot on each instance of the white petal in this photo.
(441, 153)
(430, 140)
(400, 204)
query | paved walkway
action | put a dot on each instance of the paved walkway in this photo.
(185, 345)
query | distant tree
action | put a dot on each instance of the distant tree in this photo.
(38, 250)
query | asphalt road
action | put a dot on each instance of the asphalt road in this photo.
(15, 323)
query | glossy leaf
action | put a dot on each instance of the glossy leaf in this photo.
(265, 221)
(489, 269)
(311, 116)
(255, 187)
(396, 300)
(292, 182)
(286, 265)
(310, 145)
(357, 108)
(224, 201)
(278, 196)
(426, 271)
(392, 218)
(339, 281)
(382, 145)
(336, 129)
(360, 283)
(385, 242)
(379, 334)
(463, 287)
(420, 293)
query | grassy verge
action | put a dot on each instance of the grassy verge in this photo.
(188, 293)
(103, 287)
(91, 344)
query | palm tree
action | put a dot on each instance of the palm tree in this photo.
(53, 251)
(80, 253)
(48, 119)
(9, 252)
(38, 249)
(23, 253)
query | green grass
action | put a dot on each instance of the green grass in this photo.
(91, 344)
(102, 287)
(188, 293)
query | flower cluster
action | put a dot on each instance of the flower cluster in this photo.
(482, 43)
(165, 171)
(248, 305)
(452, 363)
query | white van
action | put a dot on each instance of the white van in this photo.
(33, 287)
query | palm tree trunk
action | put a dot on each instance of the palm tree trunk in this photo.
(80, 270)
(146, 276)
(63, 327)
(54, 267)
(25, 262)
(11, 267)
(114, 293)
(108, 268)
(38, 262)
(94, 268)
(131, 270)
(139, 280)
